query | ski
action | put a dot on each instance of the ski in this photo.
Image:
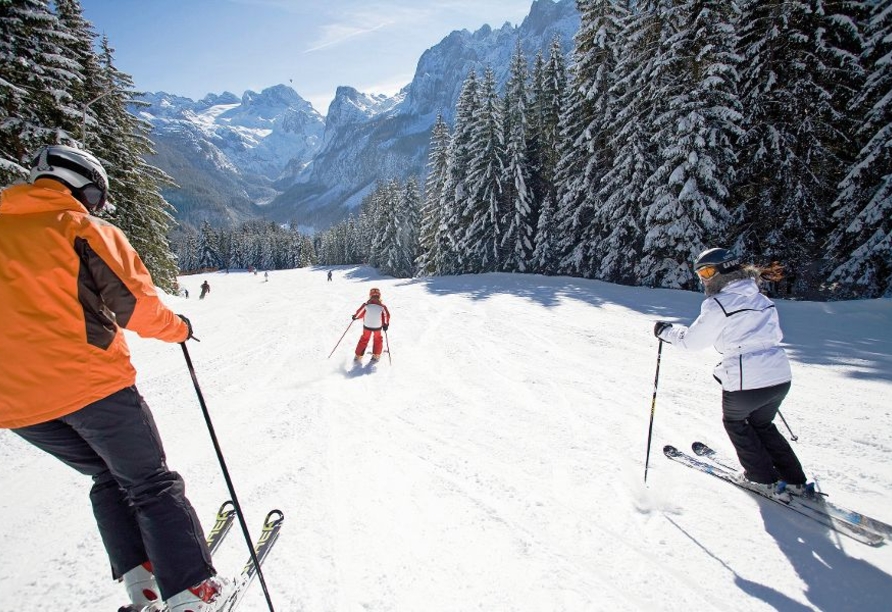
(856, 532)
(272, 524)
(222, 525)
(818, 501)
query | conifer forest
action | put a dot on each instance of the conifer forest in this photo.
(764, 126)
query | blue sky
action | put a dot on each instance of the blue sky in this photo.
(195, 47)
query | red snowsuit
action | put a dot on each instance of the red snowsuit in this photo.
(375, 317)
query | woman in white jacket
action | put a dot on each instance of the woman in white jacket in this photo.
(742, 325)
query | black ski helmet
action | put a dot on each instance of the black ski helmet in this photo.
(722, 260)
(81, 172)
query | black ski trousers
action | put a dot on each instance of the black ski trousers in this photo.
(764, 453)
(139, 504)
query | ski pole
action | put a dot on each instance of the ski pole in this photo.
(387, 342)
(793, 436)
(653, 407)
(233, 496)
(341, 338)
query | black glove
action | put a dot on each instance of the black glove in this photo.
(353, 317)
(659, 326)
(189, 325)
(385, 326)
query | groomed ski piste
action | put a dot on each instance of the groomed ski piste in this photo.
(497, 464)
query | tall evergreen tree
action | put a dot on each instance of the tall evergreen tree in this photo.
(516, 242)
(587, 150)
(409, 212)
(123, 143)
(479, 245)
(455, 189)
(36, 78)
(861, 242)
(549, 97)
(798, 77)
(685, 199)
(432, 216)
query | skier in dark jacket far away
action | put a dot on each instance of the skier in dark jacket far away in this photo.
(375, 318)
(86, 411)
(329, 275)
(742, 324)
(205, 289)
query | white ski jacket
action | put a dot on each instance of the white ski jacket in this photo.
(742, 325)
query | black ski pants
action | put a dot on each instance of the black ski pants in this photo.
(139, 504)
(764, 453)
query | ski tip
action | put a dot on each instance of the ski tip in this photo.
(670, 450)
(273, 517)
(700, 449)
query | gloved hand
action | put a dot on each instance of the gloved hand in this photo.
(189, 325)
(385, 326)
(660, 326)
(353, 317)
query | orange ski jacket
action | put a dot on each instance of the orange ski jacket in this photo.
(68, 283)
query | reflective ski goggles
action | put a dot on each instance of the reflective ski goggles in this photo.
(707, 272)
(91, 196)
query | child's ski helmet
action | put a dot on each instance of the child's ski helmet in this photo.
(374, 292)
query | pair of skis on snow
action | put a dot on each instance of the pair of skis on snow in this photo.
(272, 523)
(853, 524)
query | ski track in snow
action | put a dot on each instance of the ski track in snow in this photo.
(496, 465)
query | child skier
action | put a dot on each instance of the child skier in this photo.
(375, 318)
(742, 325)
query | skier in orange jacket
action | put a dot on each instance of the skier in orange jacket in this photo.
(375, 319)
(69, 283)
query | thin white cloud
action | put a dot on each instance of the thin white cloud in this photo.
(337, 33)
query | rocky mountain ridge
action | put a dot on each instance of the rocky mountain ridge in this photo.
(272, 155)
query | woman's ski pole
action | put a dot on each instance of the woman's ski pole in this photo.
(653, 407)
(387, 342)
(793, 436)
(341, 338)
(235, 502)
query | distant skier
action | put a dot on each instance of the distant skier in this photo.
(186, 293)
(266, 277)
(375, 319)
(71, 389)
(329, 275)
(742, 325)
(205, 289)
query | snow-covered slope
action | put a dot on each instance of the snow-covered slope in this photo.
(497, 464)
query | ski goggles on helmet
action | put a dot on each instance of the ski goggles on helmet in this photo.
(707, 272)
(91, 196)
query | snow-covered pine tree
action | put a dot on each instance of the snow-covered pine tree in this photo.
(307, 252)
(121, 140)
(798, 77)
(685, 198)
(455, 190)
(861, 242)
(544, 259)
(586, 151)
(409, 214)
(478, 244)
(518, 216)
(432, 213)
(36, 78)
(390, 230)
(548, 102)
(208, 258)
